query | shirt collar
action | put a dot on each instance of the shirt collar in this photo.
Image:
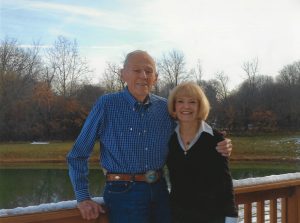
(204, 127)
(133, 102)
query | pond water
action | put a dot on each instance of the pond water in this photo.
(24, 187)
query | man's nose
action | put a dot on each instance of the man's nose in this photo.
(143, 74)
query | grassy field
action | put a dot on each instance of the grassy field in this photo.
(270, 147)
(26, 152)
(274, 147)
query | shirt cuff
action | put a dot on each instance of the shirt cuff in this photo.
(231, 220)
(82, 195)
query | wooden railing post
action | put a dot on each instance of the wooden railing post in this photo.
(284, 210)
(248, 213)
(293, 206)
(273, 211)
(260, 212)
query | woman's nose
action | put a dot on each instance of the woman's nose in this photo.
(185, 105)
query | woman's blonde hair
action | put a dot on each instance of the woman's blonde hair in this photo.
(189, 89)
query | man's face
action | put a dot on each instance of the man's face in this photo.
(140, 75)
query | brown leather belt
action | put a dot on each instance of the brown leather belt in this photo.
(149, 177)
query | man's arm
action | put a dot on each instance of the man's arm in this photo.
(78, 163)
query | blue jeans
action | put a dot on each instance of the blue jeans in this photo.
(137, 202)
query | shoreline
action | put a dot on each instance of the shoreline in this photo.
(3, 161)
(95, 161)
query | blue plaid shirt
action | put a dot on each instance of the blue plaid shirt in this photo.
(133, 138)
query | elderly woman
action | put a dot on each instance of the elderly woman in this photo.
(201, 183)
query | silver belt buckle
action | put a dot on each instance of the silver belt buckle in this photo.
(151, 176)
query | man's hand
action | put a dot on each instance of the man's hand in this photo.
(90, 209)
(225, 147)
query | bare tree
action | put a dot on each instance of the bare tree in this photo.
(290, 74)
(19, 68)
(65, 66)
(223, 91)
(112, 80)
(197, 73)
(47, 76)
(248, 91)
(14, 60)
(288, 105)
(171, 68)
(252, 70)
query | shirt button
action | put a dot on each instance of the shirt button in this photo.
(146, 148)
(130, 129)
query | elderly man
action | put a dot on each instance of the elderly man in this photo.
(133, 127)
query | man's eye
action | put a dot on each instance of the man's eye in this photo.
(149, 71)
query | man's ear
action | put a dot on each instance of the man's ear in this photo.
(122, 75)
(156, 78)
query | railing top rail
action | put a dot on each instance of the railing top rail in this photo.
(267, 186)
(63, 205)
(266, 179)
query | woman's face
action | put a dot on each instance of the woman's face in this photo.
(186, 108)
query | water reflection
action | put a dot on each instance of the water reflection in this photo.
(24, 187)
(242, 170)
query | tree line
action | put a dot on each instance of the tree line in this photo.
(45, 94)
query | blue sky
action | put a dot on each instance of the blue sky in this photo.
(221, 34)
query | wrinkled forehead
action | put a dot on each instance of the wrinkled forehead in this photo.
(139, 59)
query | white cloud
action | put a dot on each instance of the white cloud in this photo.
(72, 13)
(65, 8)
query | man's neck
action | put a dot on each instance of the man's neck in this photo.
(143, 100)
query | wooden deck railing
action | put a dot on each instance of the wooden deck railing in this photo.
(62, 216)
(252, 198)
(282, 199)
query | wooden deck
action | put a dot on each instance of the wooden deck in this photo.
(252, 198)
